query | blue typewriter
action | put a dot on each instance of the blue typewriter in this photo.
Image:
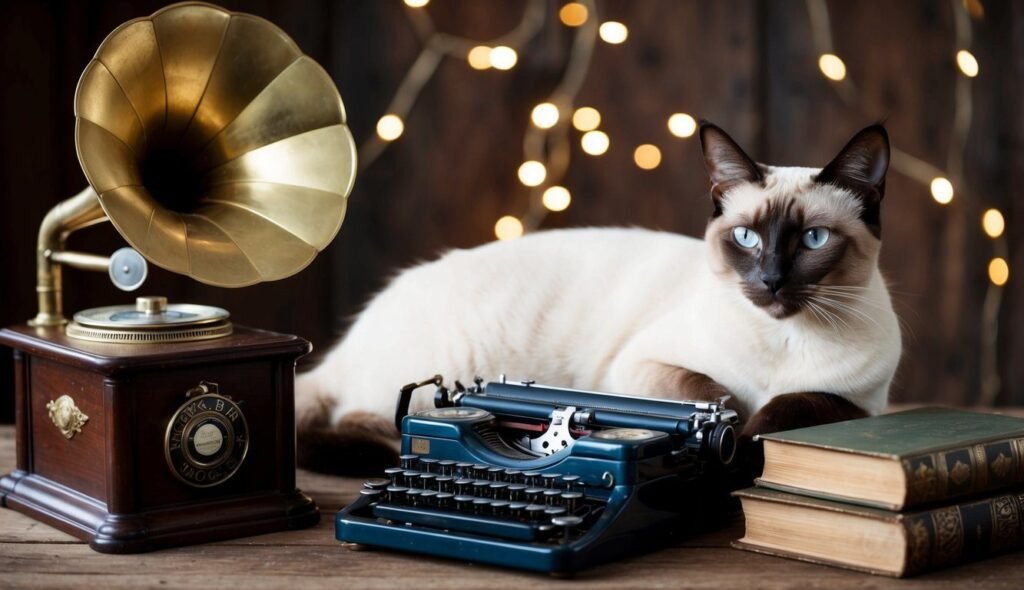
(543, 478)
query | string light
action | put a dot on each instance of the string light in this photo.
(682, 125)
(573, 14)
(417, 3)
(998, 271)
(833, 67)
(556, 198)
(390, 127)
(503, 58)
(647, 156)
(595, 143)
(508, 228)
(532, 173)
(942, 190)
(967, 62)
(613, 32)
(586, 119)
(545, 115)
(479, 57)
(993, 223)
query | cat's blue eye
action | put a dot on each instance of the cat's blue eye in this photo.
(746, 237)
(815, 237)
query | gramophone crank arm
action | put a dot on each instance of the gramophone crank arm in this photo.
(81, 210)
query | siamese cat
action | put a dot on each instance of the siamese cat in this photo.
(781, 305)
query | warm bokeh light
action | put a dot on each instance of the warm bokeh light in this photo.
(573, 14)
(967, 62)
(682, 125)
(390, 127)
(532, 173)
(503, 58)
(545, 115)
(586, 119)
(993, 223)
(613, 32)
(595, 143)
(832, 67)
(647, 156)
(942, 190)
(508, 228)
(556, 198)
(479, 57)
(998, 271)
(417, 3)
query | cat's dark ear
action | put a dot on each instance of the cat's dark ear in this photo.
(861, 167)
(727, 164)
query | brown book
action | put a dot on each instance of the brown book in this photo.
(899, 461)
(879, 541)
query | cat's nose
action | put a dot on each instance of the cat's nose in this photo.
(773, 281)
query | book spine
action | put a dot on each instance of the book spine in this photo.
(965, 471)
(952, 534)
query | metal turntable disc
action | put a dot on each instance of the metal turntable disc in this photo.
(151, 319)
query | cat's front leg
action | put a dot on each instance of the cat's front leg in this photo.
(658, 379)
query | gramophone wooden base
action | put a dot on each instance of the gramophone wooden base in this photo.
(115, 482)
(87, 519)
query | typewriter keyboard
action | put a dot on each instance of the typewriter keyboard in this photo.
(510, 504)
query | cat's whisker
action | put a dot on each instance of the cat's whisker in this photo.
(840, 306)
(834, 318)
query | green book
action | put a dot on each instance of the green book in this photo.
(898, 461)
(879, 541)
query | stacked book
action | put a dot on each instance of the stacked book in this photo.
(897, 494)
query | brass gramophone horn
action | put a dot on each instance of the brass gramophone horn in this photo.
(215, 147)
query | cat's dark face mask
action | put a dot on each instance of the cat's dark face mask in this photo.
(789, 234)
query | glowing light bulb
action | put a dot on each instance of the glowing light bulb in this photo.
(479, 57)
(647, 156)
(586, 119)
(416, 3)
(595, 143)
(998, 271)
(390, 127)
(942, 190)
(967, 62)
(833, 67)
(573, 14)
(508, 228)
(556, 198)
(682, 125)
(532, 173)
(545, 115)
(613, 32)
(993, 223)
(503, 58)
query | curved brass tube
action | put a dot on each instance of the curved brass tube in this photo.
(67, 216)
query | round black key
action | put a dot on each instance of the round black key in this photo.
(462, 485)
(428, 497)
(396, 494)
(374, 495)
(393, 472)
(413, 496)
(551, 497)
(463, 502)
(444, 499)
(408, 461)
(447, 467)
(534, 494)
(552, 511)
(495, 473)
(427, 481)
(463, 469)
(429, 464)
(498, 490)
(515, 491)
(548, 479)
(530, 477)
(410, 478)
(445, 483)
(376, 483)
(499, 507)
(480, 488)
(572, 500)
(480, 471)
(481, 506)
(570, 480)
(534, 512)
(567, 524)
(513, 476)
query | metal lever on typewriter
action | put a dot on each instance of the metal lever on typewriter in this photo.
(405, 397)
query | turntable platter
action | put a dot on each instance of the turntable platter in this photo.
(151, 319)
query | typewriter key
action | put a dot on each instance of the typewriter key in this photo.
(374, 495)
(409, 478)
(396, 494)
(534, 512)
(376, 483)
(444, 499)
(428, 464)
(445, 483)
(428, 497)
(531, 478)
(534, 494)
(499, 508)
(513, 476)
(393, 472)
(447, 467)
(480, 471)
(552, 511)
(567, 524)
(413, 496)
(548, 479)
(427, 481)
(572, 500)
(462, 485)
(464, 469)
(515, 492)
(515, 509)
(463, 502)
(571, 480)
(480, 488)
(481, 506)
(408, 461)
(498, 490)
(495, 473)
(551, 496)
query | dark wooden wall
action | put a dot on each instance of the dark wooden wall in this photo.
(748, 65)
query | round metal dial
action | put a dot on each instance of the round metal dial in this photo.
(206, 441)
(630, 434)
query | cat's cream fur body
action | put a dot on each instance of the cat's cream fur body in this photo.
(618, 310)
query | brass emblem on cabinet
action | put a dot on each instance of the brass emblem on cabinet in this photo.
(66, 416)
(207, 438)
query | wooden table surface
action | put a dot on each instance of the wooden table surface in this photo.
(35, 555)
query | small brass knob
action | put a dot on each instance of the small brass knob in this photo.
(151, 305)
